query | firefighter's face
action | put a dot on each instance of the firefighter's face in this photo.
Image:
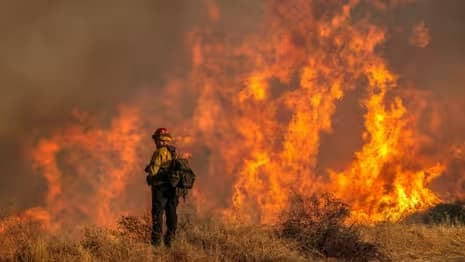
(159, 143)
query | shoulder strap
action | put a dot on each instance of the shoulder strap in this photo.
(172, 151)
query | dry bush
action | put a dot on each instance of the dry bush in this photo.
(441, 214)
(15, 233)
(317, 224)
(445, 214)
(135, 227)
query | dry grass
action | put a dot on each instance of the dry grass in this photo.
(410, 242)
(313, 235)
(209, 240)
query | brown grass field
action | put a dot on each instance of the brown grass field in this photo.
(300, 236)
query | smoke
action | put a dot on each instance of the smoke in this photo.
(87, 54)
(57, 56)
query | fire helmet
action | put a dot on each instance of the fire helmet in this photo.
(162, 134)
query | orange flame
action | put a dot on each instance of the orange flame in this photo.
(97, 161)
(328, 55)
(379, 184)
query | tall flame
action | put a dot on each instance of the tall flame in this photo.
(383, 183)
(293, 74)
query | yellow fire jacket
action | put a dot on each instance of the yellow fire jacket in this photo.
(161, 158)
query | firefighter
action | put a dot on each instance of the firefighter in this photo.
(164, 196)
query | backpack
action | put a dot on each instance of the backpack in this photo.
(181, 174)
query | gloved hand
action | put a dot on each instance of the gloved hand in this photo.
(149, 179)
(147, 169)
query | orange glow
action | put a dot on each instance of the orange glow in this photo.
(329, 57)
(97, 161)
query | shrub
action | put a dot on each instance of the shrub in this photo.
(317, 224)
(445, 214)
(135, 227)
(15, 233)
